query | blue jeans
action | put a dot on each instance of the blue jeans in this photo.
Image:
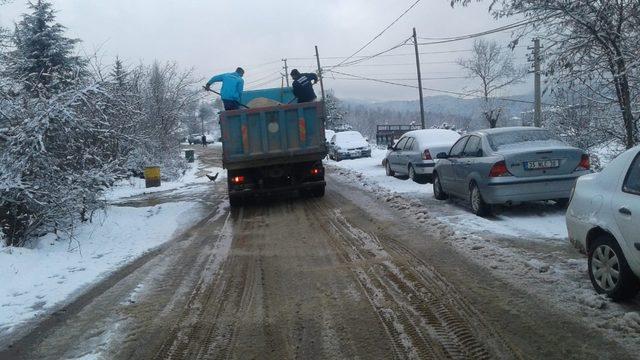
(231, 104)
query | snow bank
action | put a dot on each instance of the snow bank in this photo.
(534, 222)
(36, 279)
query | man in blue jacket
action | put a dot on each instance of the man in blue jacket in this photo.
(232, 85)
(303, 86)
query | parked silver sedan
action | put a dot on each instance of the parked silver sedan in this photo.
(414, 154)
(509, 165)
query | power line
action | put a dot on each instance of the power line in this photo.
(263, 77)
(255, 86)
(444, 40)
(425, 88)
(407, 79)
(353, 62)
(380, 34)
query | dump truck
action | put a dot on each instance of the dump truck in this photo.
(273, 149)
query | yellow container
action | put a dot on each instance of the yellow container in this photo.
(152, 176)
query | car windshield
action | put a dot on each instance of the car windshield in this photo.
(350, 138)
(522, 138)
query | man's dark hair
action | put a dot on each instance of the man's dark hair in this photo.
(295, 73)
(240, 71)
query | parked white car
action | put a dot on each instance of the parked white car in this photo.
(414, 155)
(328, 134)
(348, 145)
(603, 220)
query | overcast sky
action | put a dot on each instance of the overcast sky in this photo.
(216, 36)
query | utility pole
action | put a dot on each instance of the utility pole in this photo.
(324, 103)
(537, 113)
(415, 43)
(286, 71)
(320, 73)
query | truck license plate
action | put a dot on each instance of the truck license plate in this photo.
(541, 164)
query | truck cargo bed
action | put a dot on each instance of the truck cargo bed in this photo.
(273, 135)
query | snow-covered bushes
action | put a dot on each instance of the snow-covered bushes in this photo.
(67, 131)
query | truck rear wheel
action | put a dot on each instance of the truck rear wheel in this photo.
(318, 192)
(235, 200)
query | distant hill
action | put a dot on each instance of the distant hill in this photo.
(364, 115)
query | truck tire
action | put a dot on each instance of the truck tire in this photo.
(318, 192)
(235, 200)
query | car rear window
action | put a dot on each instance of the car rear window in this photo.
(522, 138)
(632, 181)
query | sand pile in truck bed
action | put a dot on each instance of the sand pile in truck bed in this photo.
(262, 102)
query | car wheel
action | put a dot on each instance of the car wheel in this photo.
(609, 271)
(338, 158)
(438, 193)
(420, 179)
(478, 205)
(388, 170)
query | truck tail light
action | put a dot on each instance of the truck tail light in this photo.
(426, 155)
(315, 171)
(585, 163)
(237, 180)
(499, 169)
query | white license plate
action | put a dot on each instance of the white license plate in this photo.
(355, 153)
(541, 164)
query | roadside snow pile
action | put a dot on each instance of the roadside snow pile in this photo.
(48, 273)
(369, 171)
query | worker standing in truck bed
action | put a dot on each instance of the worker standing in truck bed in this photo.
(232, 86)
(303, 86)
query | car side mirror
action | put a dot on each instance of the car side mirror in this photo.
(442, 155)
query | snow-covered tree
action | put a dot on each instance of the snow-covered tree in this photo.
(587, 43)
(68, 130)
(494, 69)
(42, 58)
(335, 116)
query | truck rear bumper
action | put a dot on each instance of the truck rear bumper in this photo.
(277, 190)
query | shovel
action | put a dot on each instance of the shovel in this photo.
(215, 92)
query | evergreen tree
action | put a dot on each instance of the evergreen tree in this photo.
(42, 59)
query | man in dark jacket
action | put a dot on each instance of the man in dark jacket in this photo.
(303, 86)
(204, 140)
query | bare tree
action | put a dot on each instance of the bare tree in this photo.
(493, 67)
(587, 43)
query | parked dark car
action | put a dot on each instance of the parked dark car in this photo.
(507, 166)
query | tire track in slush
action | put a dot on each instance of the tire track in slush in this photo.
(197, 332)
(415, 304)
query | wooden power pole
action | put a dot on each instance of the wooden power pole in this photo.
(320, 73)
(286, 71)
(537, 112)
(415, 43)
